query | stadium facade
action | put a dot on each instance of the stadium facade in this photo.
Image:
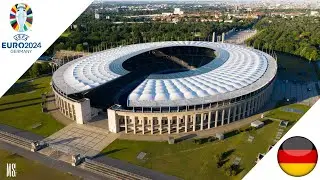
(236, 84)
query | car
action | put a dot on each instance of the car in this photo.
(308, 89)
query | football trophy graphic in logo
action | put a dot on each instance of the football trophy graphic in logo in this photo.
(21, 17)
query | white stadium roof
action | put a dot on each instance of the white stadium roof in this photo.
(235, 71)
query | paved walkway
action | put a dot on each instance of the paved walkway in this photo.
(21, 133)
(85, 140)
(297, 91)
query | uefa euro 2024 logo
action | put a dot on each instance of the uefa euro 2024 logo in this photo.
(21, 19)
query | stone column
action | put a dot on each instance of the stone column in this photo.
(186, 123)
(229, 113)
(143, 128)
(262, 100)
(253, 104)
(244, 110)
(178, 124)
(249, 108)
(222, 117)
(169, 126)
(160, 128)
(216, 120)
(202, 119)
(134, 125)
(209, 120)
(126, 124)
(152, 125)
(240, 109)
(256, 105)
(194, 122)
(234, 113)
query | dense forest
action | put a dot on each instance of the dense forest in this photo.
(90, 33)
(299, 36)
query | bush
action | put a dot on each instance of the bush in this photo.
(211, 139)
(231, 170)
(249, 129)
(219, 160)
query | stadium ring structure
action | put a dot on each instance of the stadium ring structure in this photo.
(236, 84)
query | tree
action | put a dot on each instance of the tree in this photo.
(289, 35)
(59, 46)
(79, 47)
(35, 70)
(314, 55)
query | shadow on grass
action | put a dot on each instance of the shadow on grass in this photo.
(21, 101)
(13, 156)
(22, 88)
(223, 162)
(238, 170)
(231, 133)
(186, 137)
(17, 107)
(267, 122)
(226, 154)
(205, 140)
(108, 152)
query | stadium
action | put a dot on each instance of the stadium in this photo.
(166, 87)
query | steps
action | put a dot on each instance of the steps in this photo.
(16, 140)
(110, 172)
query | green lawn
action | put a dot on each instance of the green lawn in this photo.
(27, 169)
(189, 160)
(21, 107)
(279, 114)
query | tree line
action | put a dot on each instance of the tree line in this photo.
(38, 69)
(90, 33)
(299, 36)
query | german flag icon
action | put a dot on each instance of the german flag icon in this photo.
(297, 156)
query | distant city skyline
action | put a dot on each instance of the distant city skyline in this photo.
(310, 1)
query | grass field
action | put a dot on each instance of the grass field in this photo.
(189, 160)
(27, 169)
(279, 114)
(21, 107)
